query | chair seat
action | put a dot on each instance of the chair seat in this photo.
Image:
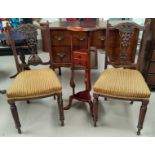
(122, 83)
(34, 83)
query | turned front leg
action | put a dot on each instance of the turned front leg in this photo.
(61, 110)
(95, 109)
(142, 114)
(72, 83)
(91, 107)
(14, 112)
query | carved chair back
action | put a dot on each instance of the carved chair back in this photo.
(122, 43)
(28, 33)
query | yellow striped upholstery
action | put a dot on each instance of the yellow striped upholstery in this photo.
(123, 83)
(34, 83)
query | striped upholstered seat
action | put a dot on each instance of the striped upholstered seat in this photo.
(34, 83)
(123, 83)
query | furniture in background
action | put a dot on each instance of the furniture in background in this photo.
(126, 83)
(80, 57)
(148, 67)
(150, 76)
(30, 83)
(60, 41)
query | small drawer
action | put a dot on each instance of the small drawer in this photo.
(80, 39)
(79, 62)
(98, 39)
(60, 38)
(151, 79)
(61, 54)
(80, 55)
(80, 58)
(152, 68)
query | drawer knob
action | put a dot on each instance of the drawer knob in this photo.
(61, 54)
(101, 38)
(59, 38)
(82, 38)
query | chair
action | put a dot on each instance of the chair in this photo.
(30, 83)
(125, 80)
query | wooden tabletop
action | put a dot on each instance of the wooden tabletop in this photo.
(85, 25)
(91, 25)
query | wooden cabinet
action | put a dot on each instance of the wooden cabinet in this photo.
(151, 80)
(150, 76)
(61, 54)
(61, 51)
(152, 67)
(60, 38)
(149, 62)
(61, 41)
(98, 39)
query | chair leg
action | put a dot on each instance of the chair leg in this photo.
(2, 91)
(54, 97)
(91, 108)
(59, 70)
(131, 102)
(15, 116)
(142, 113)
(28, 101)
(106, 63)
(95, 110)
(61, 110)
(13, 76)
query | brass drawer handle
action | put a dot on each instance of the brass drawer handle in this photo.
(77, 57)
(101, 38)
(59, 38)
(82, 38)
(61, 54)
